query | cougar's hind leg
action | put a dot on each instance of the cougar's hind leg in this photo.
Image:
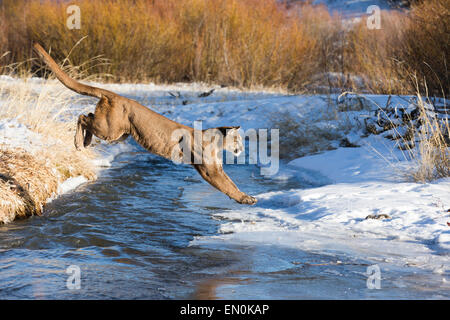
(88, 133)
(214, 175)
(79, 133)
(87, 138)
(83, 134)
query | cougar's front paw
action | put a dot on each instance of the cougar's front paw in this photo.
(246, 199)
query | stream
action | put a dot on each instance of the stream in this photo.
(129, 235)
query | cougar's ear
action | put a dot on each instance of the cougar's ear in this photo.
(226, 130)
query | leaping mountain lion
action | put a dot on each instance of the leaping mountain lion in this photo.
(117, 117)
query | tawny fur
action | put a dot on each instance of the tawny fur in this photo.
(117, 117)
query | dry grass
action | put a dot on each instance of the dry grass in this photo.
(26, 182)
(430, 147)
(374, 54)
(425, 46)
(242, 43)
(415, 42)
(236, 42)
(29, 176)
(422, 134)
(231, 42)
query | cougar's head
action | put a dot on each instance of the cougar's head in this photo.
(232, 140)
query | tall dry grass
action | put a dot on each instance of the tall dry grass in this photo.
(373, 55)
(26, 182)
(425, 46)
(411, 45)
(225, 41)
(237, 42)
(421, 132)
(430, 147)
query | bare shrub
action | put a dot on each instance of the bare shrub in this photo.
(243, 43)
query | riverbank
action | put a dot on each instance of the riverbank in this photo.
(38, 161)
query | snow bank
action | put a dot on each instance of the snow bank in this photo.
(13, 133)
(365, 208)
(16, 135)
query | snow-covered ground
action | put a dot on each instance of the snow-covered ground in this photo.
(348, 185)
(334, 217)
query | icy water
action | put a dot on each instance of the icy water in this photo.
(130, 234)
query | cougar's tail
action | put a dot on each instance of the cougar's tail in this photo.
(66, 80)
